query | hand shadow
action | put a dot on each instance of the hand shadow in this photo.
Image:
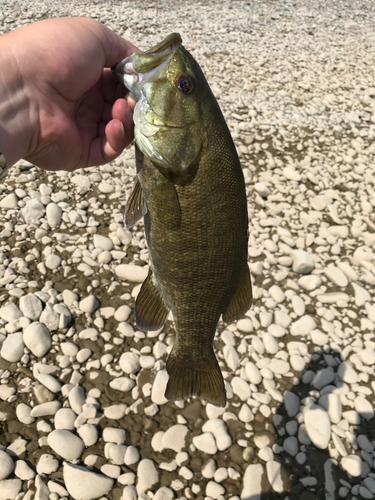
(313, 473)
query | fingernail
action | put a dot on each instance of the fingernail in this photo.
(129, 114)
(122, 131)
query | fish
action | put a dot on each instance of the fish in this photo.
(190, 190)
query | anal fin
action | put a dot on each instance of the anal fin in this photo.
(135, 207)
(241, 300)
(150, 310)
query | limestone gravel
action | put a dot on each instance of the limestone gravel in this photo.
(81, 383)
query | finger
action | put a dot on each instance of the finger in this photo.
(122, 111)
(107, 112)
(110, 87)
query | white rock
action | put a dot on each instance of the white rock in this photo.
(69, 297)
(89, 434)
(205, 442)
(279, 366)
(23, 412)
(66, 444)
(318, 426)
(217, 427)
(352, 464)
(240, 388)
(302, 262)
(270, 343)
(363, 407)
(367, 356)
(335, 274)
(303, 326)
(252, 482)
(129, 362)
(147, 475)
(253, 373)
(310, 282)
(262, 189)
(122, 313)
(323, 377)
(319, 338)
(158, 388)
(276, 294)
(297, 362)
(174, 437)
(53, 213)
(33, 211)
(10, 312)
(49, 381)
(274, 476)
(9, 201)
(83, 484)
(114, 435)
(122, 384)
(164, 493)
(245, 325)
(89, 304)
(65, 418)
(214, 490)
(131, 456)
(38, 339)
(231, 357)
(332, 403)
(291, 175)
(129, 493)
(23, 471)
(47, 464)
(31, 306)
(127, 272)
(9, 488)
(13, 347)
(347, 373)
(361, 295)
(45, 409)
(290, 445)
(124, 235)
(77, 399)
(102, 242)
(6, 465)
(291, 403)
(53, 261)
(50, 318)
(81, 181)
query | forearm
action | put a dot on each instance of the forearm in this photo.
(15, 106)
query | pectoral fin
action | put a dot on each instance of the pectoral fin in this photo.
(150, 310)
(242, 299)
(167, 211)
(135, 207)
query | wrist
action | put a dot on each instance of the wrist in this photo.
(15, 106)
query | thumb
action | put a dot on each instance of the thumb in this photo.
(116, 48)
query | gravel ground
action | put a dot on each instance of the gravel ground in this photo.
(82, 412)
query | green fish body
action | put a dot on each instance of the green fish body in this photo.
(190, 189)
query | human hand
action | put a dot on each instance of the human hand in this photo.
(63, 107)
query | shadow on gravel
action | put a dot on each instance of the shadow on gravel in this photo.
(319, 477)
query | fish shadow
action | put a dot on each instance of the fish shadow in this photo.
(320, 476)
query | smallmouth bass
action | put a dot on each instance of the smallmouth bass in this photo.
(190, 190)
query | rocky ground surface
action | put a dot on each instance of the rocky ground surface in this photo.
(82, 411)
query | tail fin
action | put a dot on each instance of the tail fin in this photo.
(187, 378)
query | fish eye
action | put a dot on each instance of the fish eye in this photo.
(185, 84)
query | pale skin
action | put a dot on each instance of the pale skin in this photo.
(60, 106)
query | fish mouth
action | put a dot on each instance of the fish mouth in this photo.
(145, 66)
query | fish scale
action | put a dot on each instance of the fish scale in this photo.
(195, 214)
